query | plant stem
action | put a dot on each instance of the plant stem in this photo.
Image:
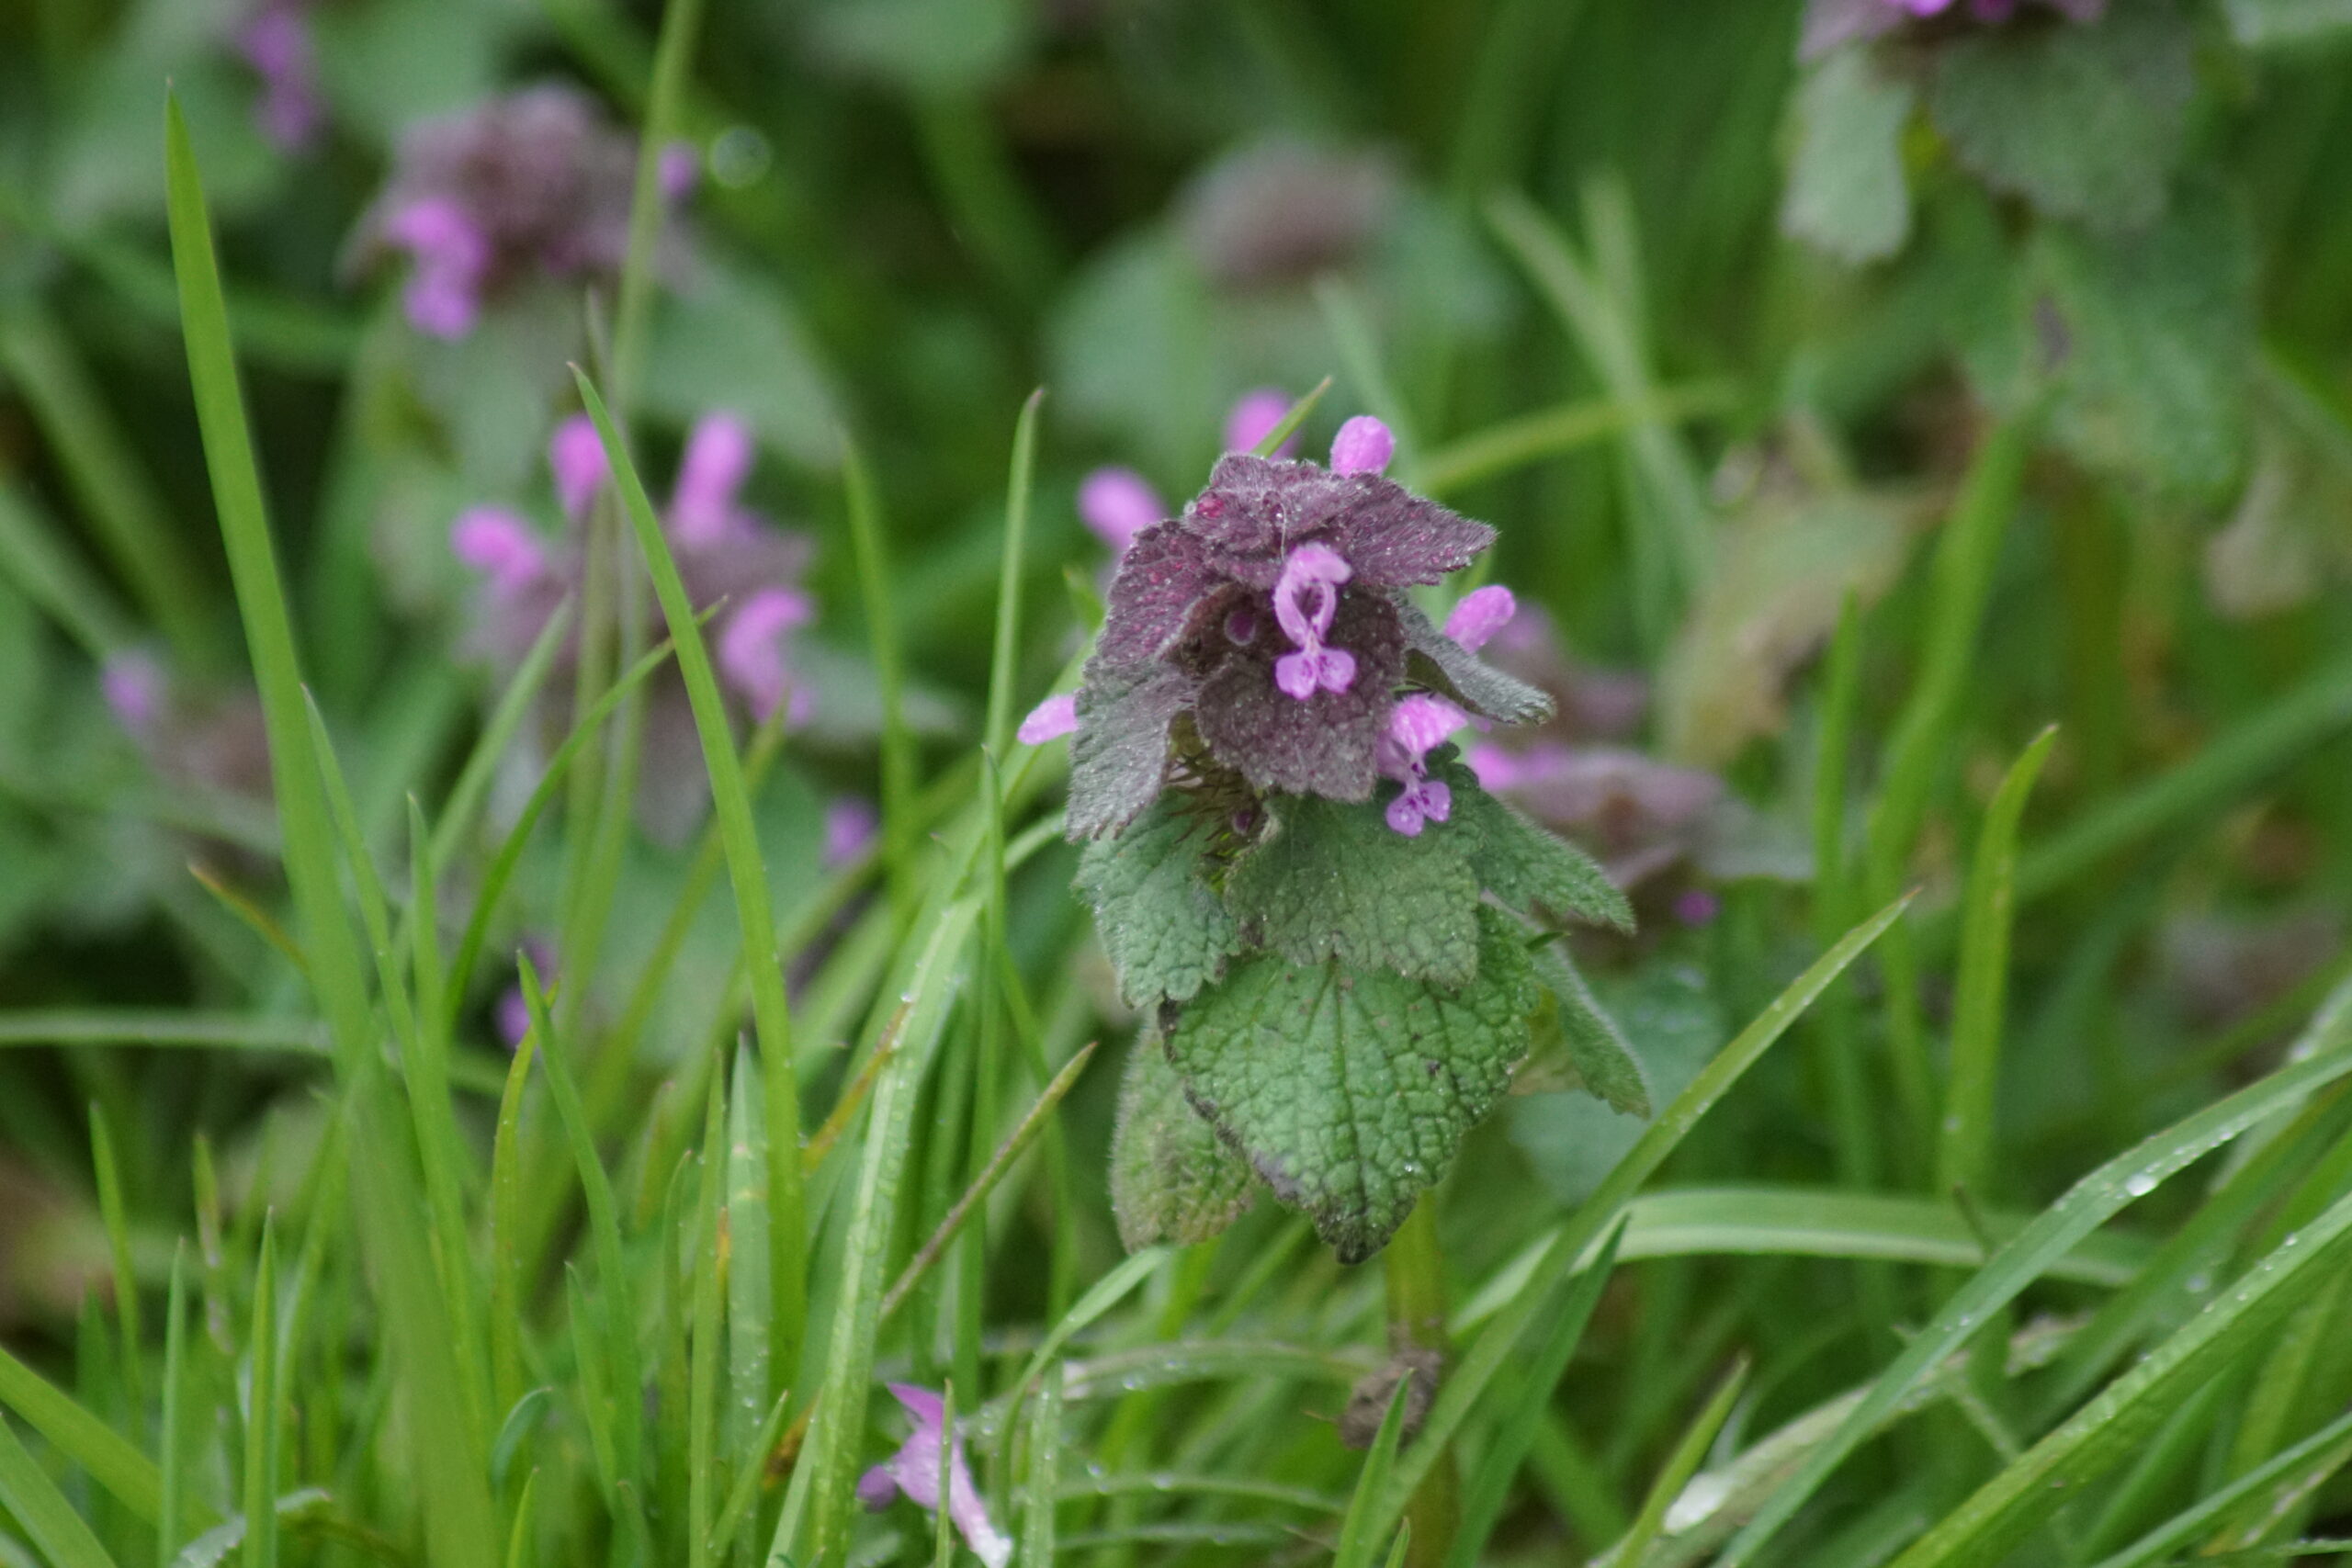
(1416, 1271)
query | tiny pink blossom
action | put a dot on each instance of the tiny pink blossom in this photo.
(1364, 446)
(134, 686)
(916, 1468)
(1050, 720)
(1253, 419)
(752, 647)
(451, 253)
(1419, 724)
(1306, 595)
(1117, 504)
(718, 460)
(1315, 669)
(1480, 616)
(1422, 800)
(851, 823)
(276, 44)
(1697, 906)
(680, 170)
(576, 454)
(499, 544)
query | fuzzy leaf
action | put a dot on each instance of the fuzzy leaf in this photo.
(1119, 756)
(1846, 193)
(1603, 1062)
(1323, 745)
(1172, 1178)
(1528, 868)
(1256, 508)
(1350, 1092)
(1164, 573)
(1438, 662)
(1164, 927)
(2085, 121)
(1328, 880)
(2153, 337)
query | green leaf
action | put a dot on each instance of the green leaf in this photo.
(1443, 664)
(2084, 123)
(1576, 1024)
(41, 1510)
(2154, 337)
(2258, 22)
(1350, 1092)
(1165, 929)
(1847, 194)
(1173, 1180)
(1331, 880)
(1528, 868)
(1119, 756)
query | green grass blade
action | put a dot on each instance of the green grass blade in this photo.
(706, 1354)
(261, 1410)
(1513, 444)
(41, 1510)
(2090, 1203)
(1348, 324)
(117, 1228)
(1965, 1157)
(1486, 1357)
(506, 1219)
(746, 870)
(615, 1297)
(521, 1548)
(445, 1448)
(1045, 1470)
(751, 1371)
(1680, 1465)
(736, 1515)
(170, 1477)
(1363, 1529)
(1003, 674)
(49, 575)
(1499, 1465)
(1287, 427)
(194, 1029)
(870, 542)
(112, 1460)
(2116, 1424)
(497, 737)
(837, 1429)
(2292, 1472)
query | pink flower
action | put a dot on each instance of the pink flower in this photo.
(134, 686)
(1254, 418)
(851, 823)
(576, 454)
(1117, 504)
(1307, 597)
(1697, 906)
(452, 255)
(1480, 616)
(718, 460)
(276, 44)
(680, 170)
(1049, 720)
(916, 1468)
(1364, 446)
(501, 546)
(1417, 724)
(752, 647)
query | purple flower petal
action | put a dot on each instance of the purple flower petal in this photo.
(1050, 720)
(718, 460)
(877, 1488)
(1117, 504)
(1480, 616)
(1364, 446)
(1306, 595)
(501, 546)
(1419, 724)
(1324, 743)
(752, 647)
(134, 686)
(576, 455)
(851, 823)
(1253, 419)
(915, 1471)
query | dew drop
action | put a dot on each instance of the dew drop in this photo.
(2141, 1184)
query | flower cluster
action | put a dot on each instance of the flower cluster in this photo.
(276, 43)
(930, 1462)
(1264, 632)
(534, 184)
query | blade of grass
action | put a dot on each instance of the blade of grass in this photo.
(1287, 427)
(1045, 1470)
(117, 1228)
(445, 1450)
(1364, 1527)
(2090, 1203)
(712, 1266)
(1001, 672)
(1965, 1157)
(48, 576)
(1679, 1467)
(506, 1215)
(1461, 1392)
(749, 1282)
(261, 1410)
(1499, 1465)
(870, 542)
(1513, 444)
(1348, 326)
(33, 1500)
(498, 732)
(747, 871)
(169, 1480)
(2008, 1507)
(2291, 1472)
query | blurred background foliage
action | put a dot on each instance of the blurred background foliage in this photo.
(1712, 323)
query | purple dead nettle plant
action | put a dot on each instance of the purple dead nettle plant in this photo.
(533, 186)
(1341, 946)
(727, 554)
(1828, 23)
